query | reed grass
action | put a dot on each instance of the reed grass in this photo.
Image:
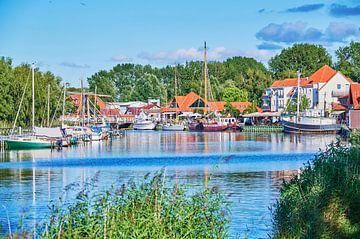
(324, 200)
(148, 209)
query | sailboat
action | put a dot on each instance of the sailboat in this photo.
(174, 125)
(143, 122)
(32, 141)
(218, 124)
(305, 124)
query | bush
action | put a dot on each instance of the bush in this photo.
(146, 210)
(324, 200)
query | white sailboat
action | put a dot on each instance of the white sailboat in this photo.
(32, 141)
(144, 123)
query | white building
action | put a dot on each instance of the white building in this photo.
(322, 88)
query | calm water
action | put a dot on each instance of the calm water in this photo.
(249, 168)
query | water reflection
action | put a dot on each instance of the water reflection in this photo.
(249, 168)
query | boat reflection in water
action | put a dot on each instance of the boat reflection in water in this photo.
(248, 168)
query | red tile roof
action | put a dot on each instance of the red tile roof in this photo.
(323, 75)
(184, 103)
(354, 94)
(337, 106)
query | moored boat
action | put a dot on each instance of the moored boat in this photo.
(144, 124)
(173, 127)
(311, 125)
(28, 143)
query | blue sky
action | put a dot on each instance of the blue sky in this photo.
(75, 38)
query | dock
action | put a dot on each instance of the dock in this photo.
(263, 128)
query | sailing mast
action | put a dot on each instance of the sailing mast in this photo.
(205, 73)
(33, 96)
(95, 119)
(175, 81)
(48, 107)
(63, 107)
(298, 96)
(82, 103)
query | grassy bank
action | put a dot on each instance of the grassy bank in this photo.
(138, 210)
(324, 201)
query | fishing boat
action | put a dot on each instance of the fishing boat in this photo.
(143, 122)
(305, 124)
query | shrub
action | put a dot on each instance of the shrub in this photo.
(324, 200)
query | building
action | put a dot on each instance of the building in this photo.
(354, 107)
(323, 90)
(192, 103)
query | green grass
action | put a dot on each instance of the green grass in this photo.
(148, 209)
(324, 200)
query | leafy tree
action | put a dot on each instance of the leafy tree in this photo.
(104, 84)
(304, 104)
(306, 57)
(232, 94)
(229, 109)
(348, 60)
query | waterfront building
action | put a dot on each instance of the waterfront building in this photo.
(323, 89)
(193, 103)
(354, 107)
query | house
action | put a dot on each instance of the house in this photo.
(323, 90)
(192, 103)
(354, 111)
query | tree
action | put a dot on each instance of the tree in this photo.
(305, 57)
(232, 94)
(103, 83)
(229, 109)
(348, 60)
(304, 104)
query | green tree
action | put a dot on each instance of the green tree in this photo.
(232, 94)
(103, 83)
(229, 109)
(304, 104)
(348, 60)
(306, 57)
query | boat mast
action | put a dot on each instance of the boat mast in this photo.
(175, 81)
(33, 96)
(82, 103)
(95, 120)
(205, 73)
(88, 108)
(63, 108)
(48, 107)
(298, 96)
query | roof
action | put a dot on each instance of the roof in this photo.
(337, 106)
(323, 75)
(184, 103)
(354, 94)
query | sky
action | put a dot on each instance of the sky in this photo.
(76, 38)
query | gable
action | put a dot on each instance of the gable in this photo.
(197, 103)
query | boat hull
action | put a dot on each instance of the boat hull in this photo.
(146, 126)
(22, 144)
(292, 127)
(207, 127)
(173, 128)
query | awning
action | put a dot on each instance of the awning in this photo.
(338, 112)
(263, 114)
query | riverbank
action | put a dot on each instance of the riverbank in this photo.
(324, 201)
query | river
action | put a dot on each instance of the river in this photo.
(248, 168)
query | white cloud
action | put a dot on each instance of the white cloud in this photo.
(74, 65)
(193, 54)
(121, 58)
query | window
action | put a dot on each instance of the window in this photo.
(198, 103)
(338, 86)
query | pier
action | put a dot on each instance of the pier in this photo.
(263, 128)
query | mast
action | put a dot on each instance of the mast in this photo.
(33, 97)
(63, 107)
(48, 107)
(88, 108)
(82, 103)
(175, 81)
(205, 73)
(95, 120)
(298, 96)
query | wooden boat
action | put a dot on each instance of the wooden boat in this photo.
(311, 125)
(219, 124)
